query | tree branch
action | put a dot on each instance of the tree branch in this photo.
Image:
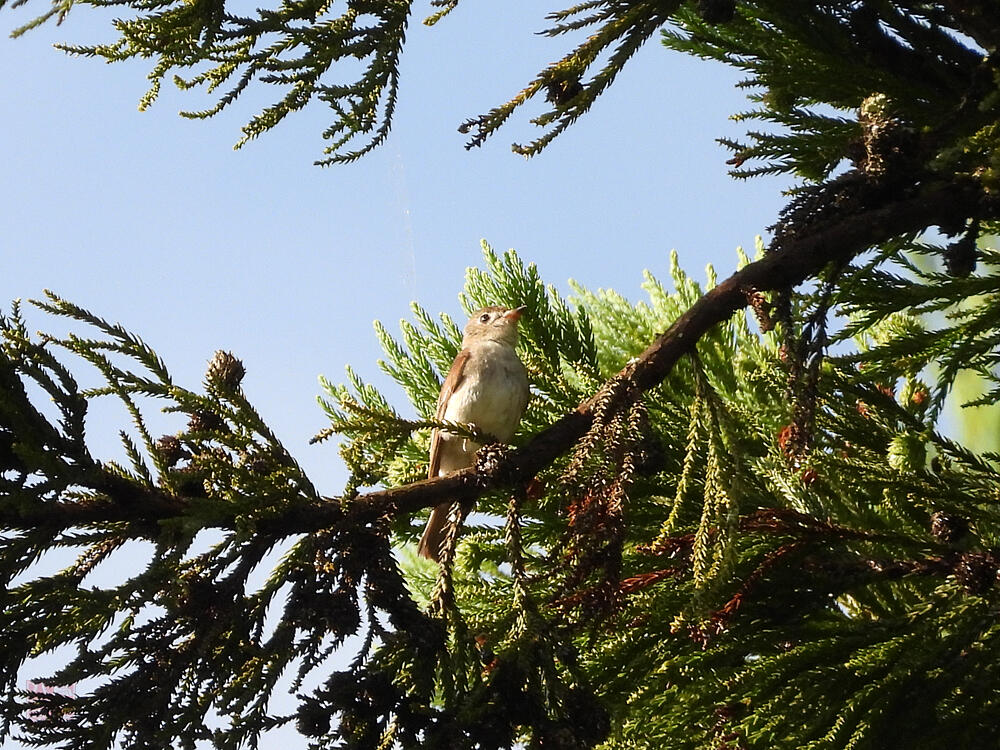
(793, 258)
(795, 255)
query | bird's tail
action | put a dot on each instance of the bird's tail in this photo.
(434, 533)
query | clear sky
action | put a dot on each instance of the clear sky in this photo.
(154, 221)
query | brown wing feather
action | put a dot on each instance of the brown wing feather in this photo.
(455, 375)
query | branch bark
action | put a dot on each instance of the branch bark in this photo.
(793, 258)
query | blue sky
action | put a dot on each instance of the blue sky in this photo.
(154, 221)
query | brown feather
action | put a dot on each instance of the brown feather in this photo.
(455, 375)
(430, 542)
(433, 536)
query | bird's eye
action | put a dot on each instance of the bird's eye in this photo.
(484, 318)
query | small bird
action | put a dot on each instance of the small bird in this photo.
(487, 386)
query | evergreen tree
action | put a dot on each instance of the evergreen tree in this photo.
(730, 520)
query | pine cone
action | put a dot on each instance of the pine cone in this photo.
(313, 719)
(206, 421)
(562, 91)
(761, 307)
(491, 459)
(171, 450)
(189, 481)
(907, 452)
(960, 257)
(977, 572)
(886, 141)
(225, 371)
(947, 528)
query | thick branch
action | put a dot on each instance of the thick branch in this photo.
(797, 258)
(792, 260)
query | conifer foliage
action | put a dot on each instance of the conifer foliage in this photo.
(730, 518)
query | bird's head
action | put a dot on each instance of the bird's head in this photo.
(493, 323)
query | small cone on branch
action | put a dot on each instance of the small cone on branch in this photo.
(171, 450)
(225, 371)
(948, 528)
(205, 421)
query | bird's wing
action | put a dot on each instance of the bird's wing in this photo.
(455, 375)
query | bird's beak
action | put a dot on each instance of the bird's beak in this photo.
(515, 314)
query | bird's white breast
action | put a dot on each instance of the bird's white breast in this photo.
(493, 393)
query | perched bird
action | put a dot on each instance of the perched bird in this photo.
(487, 387)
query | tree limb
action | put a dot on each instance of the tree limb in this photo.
(795, 255)
(792, 260)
